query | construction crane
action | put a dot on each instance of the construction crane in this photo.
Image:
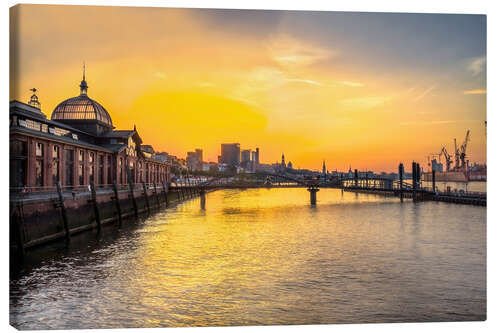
(447, 158)
(457, 154)
(463, 150)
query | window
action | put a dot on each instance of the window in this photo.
(18, 160)
(69, 164)
(55, 171)
(55, 152)
(39, 149)
(101, 169)
(81, 168)
(39, 173)
(91, 167)
(110, 178)
(120, 170)
(140, 172)
(80, 174)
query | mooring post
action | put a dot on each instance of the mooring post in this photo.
(63, 211)
(434, 181)
(401, 173)
(165, 193)
(18, 220)
(93, 201)
(202, 198)
(156, 196)
(117, 203)
(419, 172)
(414, 180)
(146, 199)
(355, 177)
(312, 195)
(131, 186)
(178, 191)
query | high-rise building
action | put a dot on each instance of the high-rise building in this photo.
(246, 156)
(230, 154)
(257, 156)
(194, 160)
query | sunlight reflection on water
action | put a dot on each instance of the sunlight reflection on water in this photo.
(264, 256)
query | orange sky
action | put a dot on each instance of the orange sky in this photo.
(369, 90)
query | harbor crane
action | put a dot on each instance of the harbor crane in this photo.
(447, 158)
(463, 150)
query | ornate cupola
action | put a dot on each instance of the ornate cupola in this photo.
(83, 113)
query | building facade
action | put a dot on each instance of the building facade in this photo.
(230, 154)
(77, 146)
(194, 160)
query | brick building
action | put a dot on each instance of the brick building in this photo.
(79, 144)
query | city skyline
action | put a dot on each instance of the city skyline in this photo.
(362, 89)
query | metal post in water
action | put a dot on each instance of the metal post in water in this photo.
(434, 181)
(414, 180)
(401, 172)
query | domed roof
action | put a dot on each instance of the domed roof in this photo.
(82, 108)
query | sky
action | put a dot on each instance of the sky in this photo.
(367, 90)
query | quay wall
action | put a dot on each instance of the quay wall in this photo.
(38, 218)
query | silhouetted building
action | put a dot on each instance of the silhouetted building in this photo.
(230, 154)
(76, 146)
(194, 160)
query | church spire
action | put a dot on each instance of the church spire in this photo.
(83, 84)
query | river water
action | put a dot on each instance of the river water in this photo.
(264, 256)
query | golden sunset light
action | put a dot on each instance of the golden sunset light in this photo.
(350, 88)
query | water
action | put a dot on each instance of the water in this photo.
(264, 256)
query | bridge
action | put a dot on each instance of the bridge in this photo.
(193, 186)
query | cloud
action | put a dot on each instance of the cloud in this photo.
(431, 122)
(351, 84)
(365, 102)
(476, 66)
(315, 83)
(475, 92)
(290, 52)
(424, 93)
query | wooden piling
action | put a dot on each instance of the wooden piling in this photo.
(202, 198)
(145, 193)
(117, 204)
(93, 201)
(178, 191)
(165, 193)
(18, 220)
(131, 190)
(156, 196)
(64, 214)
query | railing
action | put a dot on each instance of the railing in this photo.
(76, 191)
